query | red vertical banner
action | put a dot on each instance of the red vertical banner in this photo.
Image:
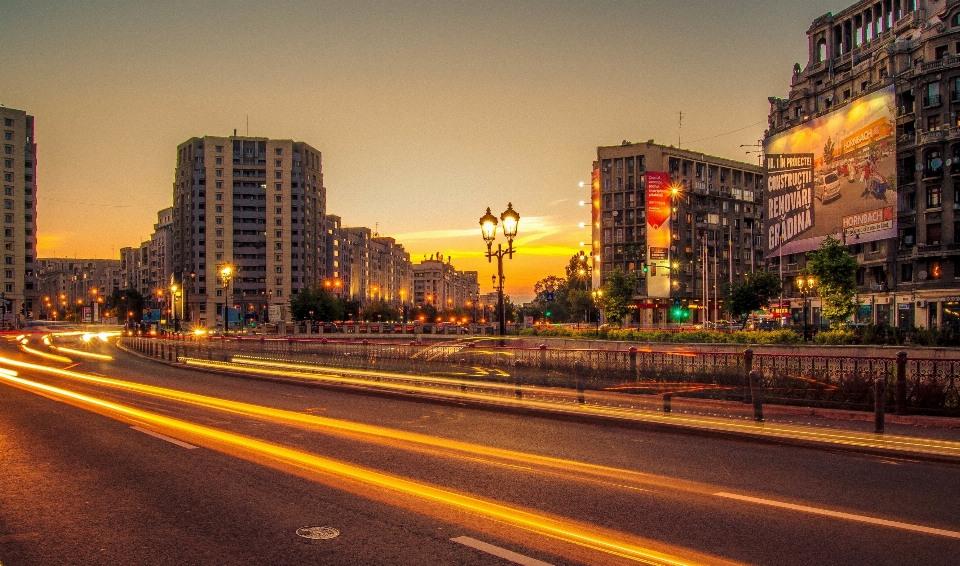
(595, 221)
(658, 234)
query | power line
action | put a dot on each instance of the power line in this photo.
(728, 133)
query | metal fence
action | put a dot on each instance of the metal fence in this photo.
(917, 385)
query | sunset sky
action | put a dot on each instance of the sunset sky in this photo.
(425, 112)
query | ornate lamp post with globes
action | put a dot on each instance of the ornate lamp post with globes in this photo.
(226, 273)
(488, 227)
(806, 284)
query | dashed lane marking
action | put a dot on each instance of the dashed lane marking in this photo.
(165, 437)
(841, 515)
(500, 552)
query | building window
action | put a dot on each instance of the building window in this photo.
(934, 233)
(219, 148)
(8, 191)
(933, 270)
(219, 172)
(8, 122)
(934, 197)
(279, 151)
(932, 97)
(219, 220)
(219, 232)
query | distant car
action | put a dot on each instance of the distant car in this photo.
(831, 187)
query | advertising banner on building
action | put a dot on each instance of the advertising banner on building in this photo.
(595, 223)
(658, 234)
(833, 175)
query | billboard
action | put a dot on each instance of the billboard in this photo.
(833, 175)
(658, 234)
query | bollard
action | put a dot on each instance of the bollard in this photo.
(578, 376)
(633, 360)
(161, 352)
(756, 393)
(666, 402)
(900, 401)
(543, 356)
(516, 378)
(879, 399)
(747, 368)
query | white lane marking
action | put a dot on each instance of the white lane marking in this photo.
(500, 552)
(165, 437)
(840, 515)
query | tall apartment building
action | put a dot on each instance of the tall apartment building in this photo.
(20, 286)
(683, 222)
(149, 268)
(437, 282)
(887, 184)
(256, 204)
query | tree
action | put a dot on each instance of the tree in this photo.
(618, 291)
(551, 298)
(316, 304)
(578, 272)
(828, 151)
(125, 302)
(834, 270)
(753, 294)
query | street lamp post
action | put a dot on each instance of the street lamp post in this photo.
(488, 227)
(805, 284)
(598, 302)
(174, 294)
(226, 272)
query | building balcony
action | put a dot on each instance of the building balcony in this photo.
(947, 62)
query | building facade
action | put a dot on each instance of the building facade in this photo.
(257, 205)
(708, 222)
(911, 49)
(20, 286)
(438, 283)
(68, 285)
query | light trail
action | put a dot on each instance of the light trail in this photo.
(791, 432)
(52, 357)
(614, 477)
(82, 354)
(610, 543)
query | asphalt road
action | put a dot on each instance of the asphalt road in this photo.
(79, 485)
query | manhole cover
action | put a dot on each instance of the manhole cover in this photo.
(317, 532)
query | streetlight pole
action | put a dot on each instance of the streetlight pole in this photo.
(226, 272)
(805, 284)
(598, 302)
(488, 227)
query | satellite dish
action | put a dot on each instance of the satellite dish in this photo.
(922, 275)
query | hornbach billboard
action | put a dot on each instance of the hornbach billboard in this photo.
(833, 175)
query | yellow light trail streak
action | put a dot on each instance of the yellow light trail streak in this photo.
(52, 357)
(810, 434)
(83, 354)
(521, 460)
(563, 530)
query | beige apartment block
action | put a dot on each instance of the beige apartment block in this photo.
(714, 227)
(20, 286)
(257, 205)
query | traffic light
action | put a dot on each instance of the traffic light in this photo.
(548, 313)
(678, 312)
(644, 267)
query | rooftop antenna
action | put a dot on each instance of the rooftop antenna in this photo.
(376, 229)
(248, 125)
(680, 131)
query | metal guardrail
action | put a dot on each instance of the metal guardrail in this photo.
(917, 385)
